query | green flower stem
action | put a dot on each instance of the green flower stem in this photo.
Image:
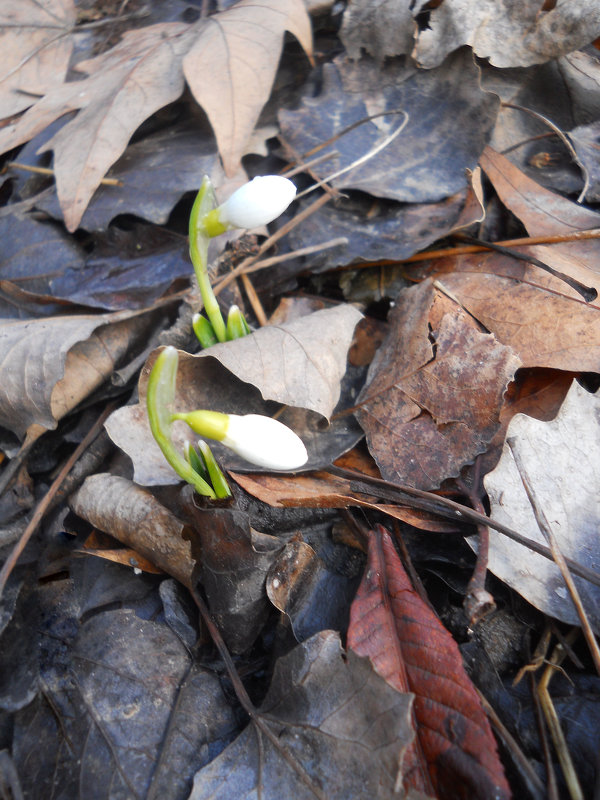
(200, 234)
(159, 398)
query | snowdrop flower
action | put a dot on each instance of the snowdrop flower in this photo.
(255, 203)
(261, 440)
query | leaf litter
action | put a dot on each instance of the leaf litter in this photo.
(109, 680)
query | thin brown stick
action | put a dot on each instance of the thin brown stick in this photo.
(449, 509)
(546, 529)
(553, 721)
(478, 602)
(466, 250)
(47, 171)
(552, 786)
(588, 293)
(254, 300)
(534, 783)
(45, 502)
(302, 251)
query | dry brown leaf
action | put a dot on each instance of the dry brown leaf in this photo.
(543, 320)
(545, 213)
(231, 66)
(49, 365)
(136, 518)
(434, 390)
(125, 86)
(509, 34)
(408, 646)
(322, 490)
(36, 48)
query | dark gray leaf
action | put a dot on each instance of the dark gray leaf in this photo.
(450, 119)
(329, 727)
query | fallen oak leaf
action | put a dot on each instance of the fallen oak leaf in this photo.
(455, 751)
(434, 390)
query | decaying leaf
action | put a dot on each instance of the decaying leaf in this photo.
(328, 727)
(434, 390)
(124, 708)
(561, 458)
(137, 519)
(411, 649)
(322, 490)
(232, 562)
(544, 321)
(509, 34)
(417, 166)
(300, 363)
(50, 365)
(379, 230)
(313, 597)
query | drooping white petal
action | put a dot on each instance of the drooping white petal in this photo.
(265, 442)
(258, 202)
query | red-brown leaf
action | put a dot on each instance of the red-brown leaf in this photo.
(455, 752)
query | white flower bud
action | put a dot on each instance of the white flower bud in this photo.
(265, 442)
(256, 203)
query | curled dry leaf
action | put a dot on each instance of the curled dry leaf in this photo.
(508, 34)
(561, 458)
(232, 561)
(410, 648)
(314, 598)
(328, 727)
(50, 365)
(137, 519)
(434, 391)
(322, 490)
